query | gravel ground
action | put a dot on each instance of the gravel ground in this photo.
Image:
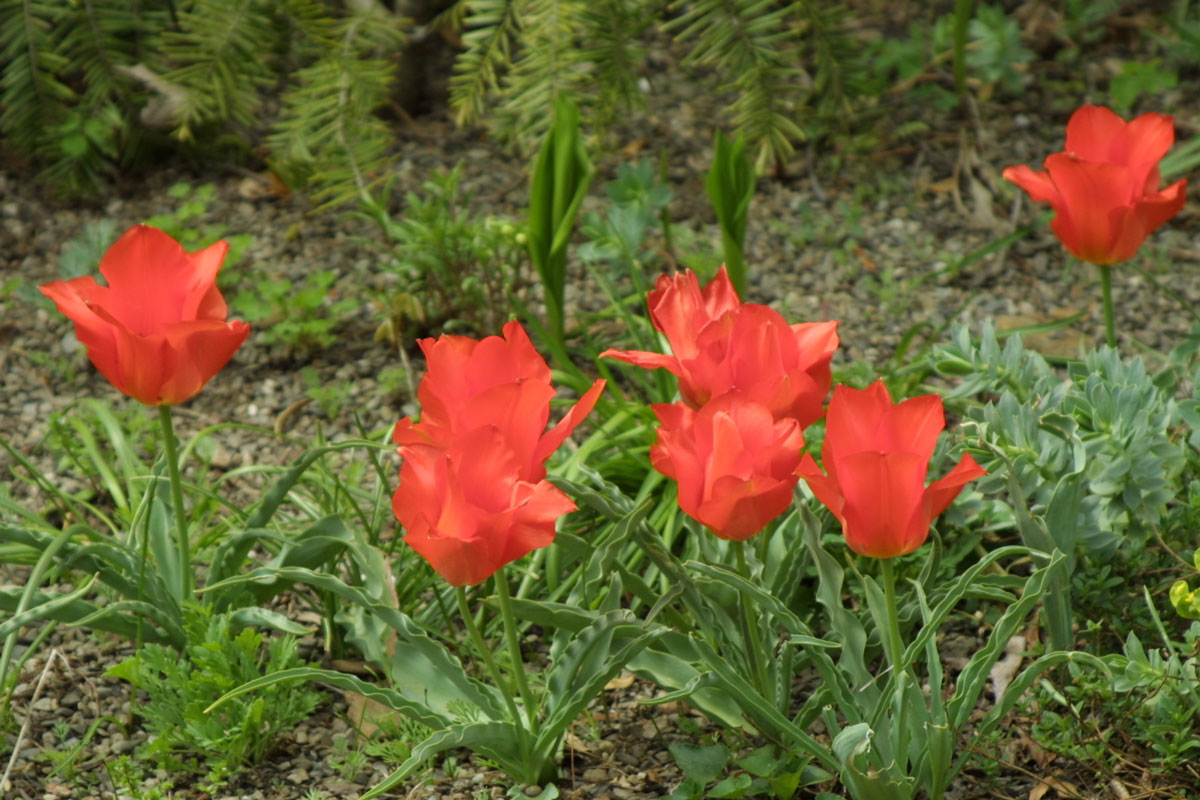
(849, 245)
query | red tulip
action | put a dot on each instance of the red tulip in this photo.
(473, 494)
(734, 463)
(877, 455)
(1104, 187)
(157, 331)
(494, 381)
(720, 345)
(466, 511)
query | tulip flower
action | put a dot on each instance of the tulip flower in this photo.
(466, 511)
(494, 381)
(734, 463)
(473, 494)
(1104, 189)
(876, 455)
(721, 345)
(157, 331)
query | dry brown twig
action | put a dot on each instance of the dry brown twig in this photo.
(37, 691)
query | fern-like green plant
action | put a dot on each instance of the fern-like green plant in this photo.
(88, 84)
(614, 50)
(521, 58)
(100, 131)
(546, 70)
(753, 42)
(836, 71)
(32, 94)
(218, 48)
(329, 136)
(492, 28)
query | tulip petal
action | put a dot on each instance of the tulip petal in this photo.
(913, 425)
(677, 309)
(882, 491)
(151, 278)
(95, 332)
(852, 421)
(1037, 185)
(1092, 192)
(738, 509)
(941, 493)
(719, 295)
(1148, 138)
(519, 410)
(1132, 226)
(674, 453)
(554, 438)
(208, 304)
(1093, 134)
(197, 351)
(680, 309)
(646, 360)
(825, 489)
(532, 524)
(140, 364)
(514, 357)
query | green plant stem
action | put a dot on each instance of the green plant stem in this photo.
(754, 640)
(489, 663)
(1106, 290)
(895, 651)
(181, 531)
(962, 21)
(895, 656)
(514, 648)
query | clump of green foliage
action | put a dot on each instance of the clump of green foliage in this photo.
(294, 315)
(463, 269)
(180, 687)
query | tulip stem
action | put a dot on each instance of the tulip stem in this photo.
(895, 652)
(1106, 290)
(753, 638)
(181, 529)
(895, 657)
(490, 663)
(514, 647)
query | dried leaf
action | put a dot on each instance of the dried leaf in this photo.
(1004, 670)
(577, 744)
(1065, 789)
(622, 681)
(168, 100)
(365, 714)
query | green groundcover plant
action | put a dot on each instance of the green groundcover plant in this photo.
(740, 529)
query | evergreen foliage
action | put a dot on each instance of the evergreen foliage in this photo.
(220, 66)
(328, 136)
(760, 48)
(34, 96)
(779, 60)
(86, 85)
(89, 86)
(492, 31)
